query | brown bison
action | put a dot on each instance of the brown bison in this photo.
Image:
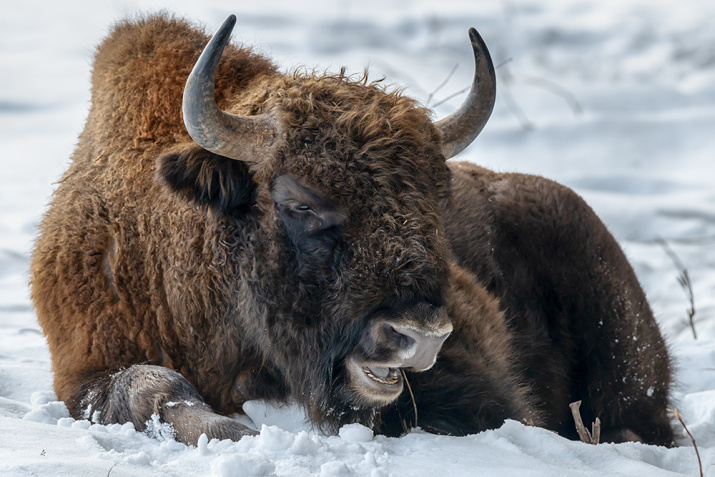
(306, 240)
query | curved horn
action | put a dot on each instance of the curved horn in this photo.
(461, 127)
(245, 138)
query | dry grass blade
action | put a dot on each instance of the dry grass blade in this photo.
(409, 388)
(677, 414)
(583, 433)
(683, 280)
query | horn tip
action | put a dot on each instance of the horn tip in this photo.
(229, 22)
(474, 36)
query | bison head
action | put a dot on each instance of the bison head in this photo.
(339, 247)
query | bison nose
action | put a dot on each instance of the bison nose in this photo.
(424, 345)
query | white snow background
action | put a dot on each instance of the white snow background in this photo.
(613, 98)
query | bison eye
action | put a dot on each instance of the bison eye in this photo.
(300, 219)
(302, 206)
(311, 221)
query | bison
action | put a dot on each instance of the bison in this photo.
(300, 236)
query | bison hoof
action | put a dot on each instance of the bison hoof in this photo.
(191, 421)
(226, 428)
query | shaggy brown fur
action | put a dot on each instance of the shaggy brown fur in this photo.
(582, 324)
(156, 255)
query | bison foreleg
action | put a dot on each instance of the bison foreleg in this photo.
(145, 394)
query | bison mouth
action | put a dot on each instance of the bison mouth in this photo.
(374, 383)
(410, 341)
(382, 375)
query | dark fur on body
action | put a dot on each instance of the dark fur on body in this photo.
(157, 255)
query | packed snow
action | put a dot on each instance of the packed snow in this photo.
(614, 98)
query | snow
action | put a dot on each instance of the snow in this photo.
(355, 433)
(614, 98)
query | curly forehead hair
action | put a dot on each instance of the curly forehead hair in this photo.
(373, 116)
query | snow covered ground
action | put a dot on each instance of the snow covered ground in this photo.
(613, 98)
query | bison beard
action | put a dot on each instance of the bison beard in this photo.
(306, 240)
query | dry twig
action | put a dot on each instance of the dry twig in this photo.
(441, 85)
(511, 103)
(588, 437)
(461, 91)
(677, 414)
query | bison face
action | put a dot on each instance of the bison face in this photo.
(358, 248)
(382, 292)
(348, 271)
(345, 277)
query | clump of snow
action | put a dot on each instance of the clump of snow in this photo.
(240, 465)
(355, 433)
(85, 424)
(275, 439)
(46, 408)
(289, 416)
(40, 398)
(335, 469)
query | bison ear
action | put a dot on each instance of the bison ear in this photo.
(220, 183)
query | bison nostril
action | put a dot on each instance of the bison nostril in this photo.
(427, 344)
(398, 340)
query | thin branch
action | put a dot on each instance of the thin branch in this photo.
(461, 91)
(403, 77)
(555, 88)
(683, 280)
(504, 63)
(689, 240)
(441, 85)
(677, 414)
(514, 107)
